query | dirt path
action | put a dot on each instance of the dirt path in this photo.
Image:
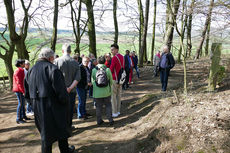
(142, 126)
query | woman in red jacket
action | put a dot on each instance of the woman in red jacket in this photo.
(18, 88)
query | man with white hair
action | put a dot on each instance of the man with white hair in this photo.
(167, 62)
(45, 87)
(72, 75)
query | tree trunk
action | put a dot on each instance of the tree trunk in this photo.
(189, 30)
(55, 21)
(208, 19)
(214, 68)
(183, 25)
(144, 35)
(21, 48)
(9, 69)
(172, 18)
(115, 21)
(141, 30)
(154, 29)
(207, 39)
(91, 28)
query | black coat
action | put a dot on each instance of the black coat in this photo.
(45, 86)
(83, 82)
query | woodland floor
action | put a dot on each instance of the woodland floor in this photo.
(150, 121)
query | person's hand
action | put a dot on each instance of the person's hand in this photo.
(68, 90)
(90, 84)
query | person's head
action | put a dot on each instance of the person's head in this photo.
(27, 64)
(47, 53)
(107, 57)
(75, 57)
(20, 63)
(114, 49)
(127, 52)
(165, 49)
(85, 61)
(101, 60)
(91, 56)
(66, 49)
(94, 61)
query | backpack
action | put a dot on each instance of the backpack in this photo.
(101, 77)
(167, 61)
(120, 78)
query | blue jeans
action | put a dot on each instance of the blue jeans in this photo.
(164, 73)
(29, 107)
(82, 94)
(21, 106)
(72, 98)
(137, 70)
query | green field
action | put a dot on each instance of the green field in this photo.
(104, 41)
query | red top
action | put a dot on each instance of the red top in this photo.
(18, 80)
(107, 64)
(115, 65)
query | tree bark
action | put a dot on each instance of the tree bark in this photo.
(215, 65)
(198, 52)
(184, 18)
(115, 21)
(154, 29)
(55, 21)
(141, 30)
(207, 39)
(172, 19)
(189, 30)
(91, 28)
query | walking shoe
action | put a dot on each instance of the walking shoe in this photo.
(118, 113)
(115, 115)
(20, 121)
(71, 149)
(26, 118)
(111, 123)
(101, 122)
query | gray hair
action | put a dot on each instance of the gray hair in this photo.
(66, 48)
(27, 62)
(165, 47)
(46, 53)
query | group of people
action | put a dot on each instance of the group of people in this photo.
(51, 85)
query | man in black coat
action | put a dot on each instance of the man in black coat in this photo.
(45, 86)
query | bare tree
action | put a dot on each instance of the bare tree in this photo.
(172, 19)
(208, 20)
(115, 21)
(7, 56)
(189, 29)
(55, 21)
(18, 39)
(154, 29)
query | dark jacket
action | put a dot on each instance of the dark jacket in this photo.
(83, 82)
(45, 86)
(170, 61)
(127, 64)
(135, 60)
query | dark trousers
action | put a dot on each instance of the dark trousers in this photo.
(125, 84)
(137, 70)
(72, 99)
(63, 146)
(99, 106)
(164, 73)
